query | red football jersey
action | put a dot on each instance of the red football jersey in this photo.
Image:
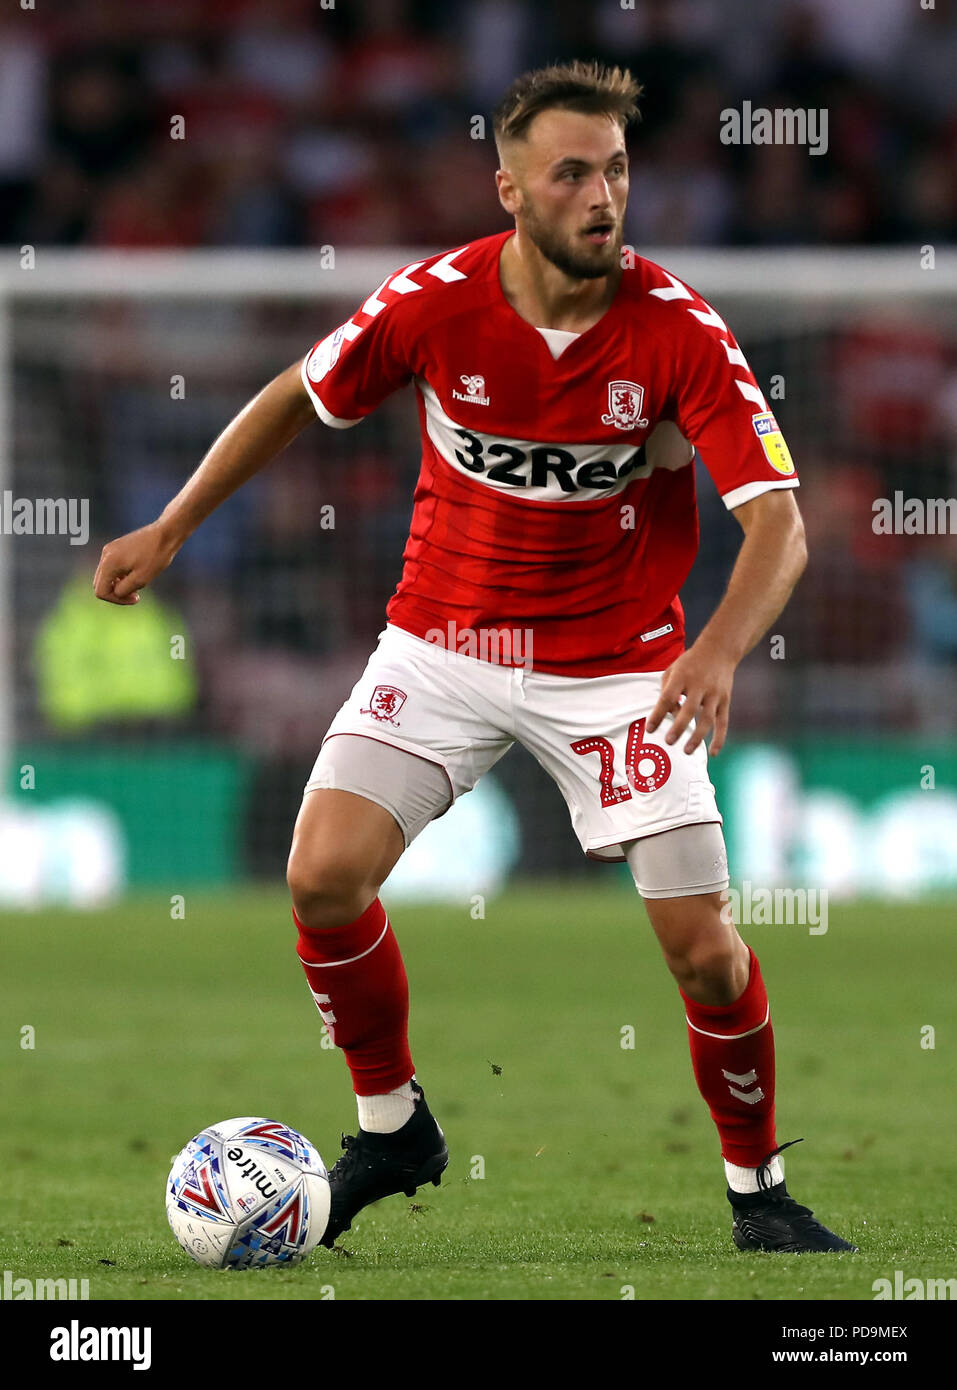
(538, 509)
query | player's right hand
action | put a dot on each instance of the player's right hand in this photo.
(130, 563)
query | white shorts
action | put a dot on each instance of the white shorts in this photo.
(463, 714)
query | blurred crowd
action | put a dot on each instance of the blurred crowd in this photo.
(305, 125)
(350, 122)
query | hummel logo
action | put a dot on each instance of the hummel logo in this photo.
(475, 386)
(747, 1078)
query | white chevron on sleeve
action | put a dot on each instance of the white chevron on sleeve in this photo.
(751, 393)
(401, 282)
(710, 317)
(444, 270)
(677, 291)
(735, 356)
(374, 305)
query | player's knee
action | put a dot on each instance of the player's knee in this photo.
(328, 889)
(707, 967)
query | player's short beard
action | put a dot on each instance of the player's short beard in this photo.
(602, 261)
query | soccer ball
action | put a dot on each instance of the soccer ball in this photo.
(248, 1192)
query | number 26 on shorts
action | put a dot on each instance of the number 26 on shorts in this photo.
(636, 753)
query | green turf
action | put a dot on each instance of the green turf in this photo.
(601, 1164)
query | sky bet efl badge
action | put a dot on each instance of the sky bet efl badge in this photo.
(769, 433)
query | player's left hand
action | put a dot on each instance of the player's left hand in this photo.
(696, 687)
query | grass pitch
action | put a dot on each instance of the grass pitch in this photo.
(601, 1167)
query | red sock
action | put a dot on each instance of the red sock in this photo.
(732, 1052)
(358, 981)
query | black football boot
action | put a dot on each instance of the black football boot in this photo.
(380, 1165)
(772, 1220)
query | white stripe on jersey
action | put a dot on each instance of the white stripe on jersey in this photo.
(532, 469)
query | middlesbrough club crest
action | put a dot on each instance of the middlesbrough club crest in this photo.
(625, 400)
(386, 702)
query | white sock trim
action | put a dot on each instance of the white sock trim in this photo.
(746, 1179)
(386, 1113)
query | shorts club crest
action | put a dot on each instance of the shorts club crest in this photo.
(385, 703)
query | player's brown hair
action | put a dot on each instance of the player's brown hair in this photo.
(591, 87)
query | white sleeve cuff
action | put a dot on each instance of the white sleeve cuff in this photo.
(749, 491)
